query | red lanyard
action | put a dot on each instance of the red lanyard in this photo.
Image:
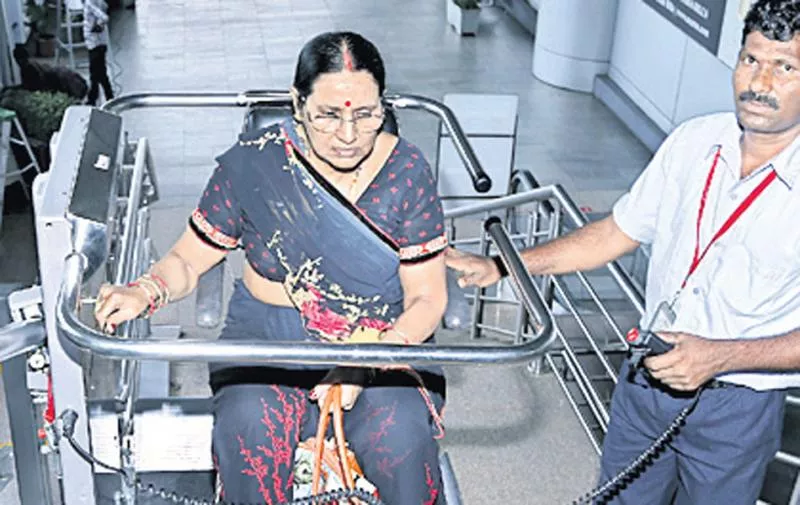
(698, 256)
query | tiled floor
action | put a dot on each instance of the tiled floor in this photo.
(563, 137)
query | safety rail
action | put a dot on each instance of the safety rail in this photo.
(480, 181)
(580, 360)
(253, 351)
(590, 344)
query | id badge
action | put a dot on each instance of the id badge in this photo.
(663, 318)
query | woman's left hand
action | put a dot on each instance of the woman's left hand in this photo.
(350, 394)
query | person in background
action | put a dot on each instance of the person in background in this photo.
(95, 32)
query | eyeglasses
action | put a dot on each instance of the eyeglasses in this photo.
(364, 121)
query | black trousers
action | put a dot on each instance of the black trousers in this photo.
(98, 75)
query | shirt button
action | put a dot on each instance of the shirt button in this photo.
(696, 291)
(733, 196)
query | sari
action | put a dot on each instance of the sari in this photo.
(339, 264)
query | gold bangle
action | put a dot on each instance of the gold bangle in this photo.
(406, 340)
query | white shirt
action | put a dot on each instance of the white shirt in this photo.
(748, 284)
(94, 13)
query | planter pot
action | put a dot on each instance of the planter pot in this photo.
(46, 46)
(463, 21)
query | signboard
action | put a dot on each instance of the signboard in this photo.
(699, 19)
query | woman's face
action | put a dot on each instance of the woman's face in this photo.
(342, 117)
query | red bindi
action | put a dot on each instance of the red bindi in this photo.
(347, 103)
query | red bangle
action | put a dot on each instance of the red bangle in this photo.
(152, 305)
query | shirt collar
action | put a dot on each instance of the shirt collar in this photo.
(786, 163)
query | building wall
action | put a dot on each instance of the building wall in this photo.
(668, 75)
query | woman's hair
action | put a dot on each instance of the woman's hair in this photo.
(775, 19)
(334, 52)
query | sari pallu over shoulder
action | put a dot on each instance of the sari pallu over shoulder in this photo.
(340, 269)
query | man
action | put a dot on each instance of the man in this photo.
(732, 289)
(95, 32)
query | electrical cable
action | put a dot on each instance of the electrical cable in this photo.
(627, 474)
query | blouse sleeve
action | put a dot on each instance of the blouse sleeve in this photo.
(217, 218)
(422, 235)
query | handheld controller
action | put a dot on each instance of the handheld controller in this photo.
(645, 343)
(648, 342)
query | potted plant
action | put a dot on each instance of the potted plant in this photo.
(463, 15)
(41, 19)
(40, 113)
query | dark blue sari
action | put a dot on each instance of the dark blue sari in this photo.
(339, 263)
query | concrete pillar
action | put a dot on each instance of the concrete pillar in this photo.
(573, 41)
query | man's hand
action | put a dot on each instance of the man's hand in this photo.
(691, 363)
(475, 270)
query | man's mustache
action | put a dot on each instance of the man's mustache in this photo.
(748, 96)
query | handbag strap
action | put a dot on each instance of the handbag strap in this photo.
(331, 407)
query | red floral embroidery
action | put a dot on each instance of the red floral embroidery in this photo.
(323, 319)
(433, 493)
(283, 432)
(373, 323)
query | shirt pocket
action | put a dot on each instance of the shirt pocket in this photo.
(751, 279)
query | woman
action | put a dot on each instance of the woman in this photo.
(343, 234)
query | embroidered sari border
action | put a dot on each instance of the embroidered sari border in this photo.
(209, 234)
(424, 251)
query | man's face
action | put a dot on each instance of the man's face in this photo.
(767, 84)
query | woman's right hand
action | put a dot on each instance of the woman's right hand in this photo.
(117, 304)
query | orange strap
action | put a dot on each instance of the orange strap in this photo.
(332, 407)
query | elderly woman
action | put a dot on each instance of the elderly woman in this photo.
(343, 232)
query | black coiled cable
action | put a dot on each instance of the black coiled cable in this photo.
(628, 473)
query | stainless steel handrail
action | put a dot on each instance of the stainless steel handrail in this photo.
(522, 283)
(557, 193)
(19, 338)
(480, 181)
(254, 351)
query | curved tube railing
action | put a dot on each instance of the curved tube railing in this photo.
(254, 351)
(20, 338)
(480, 181)
(573, 213)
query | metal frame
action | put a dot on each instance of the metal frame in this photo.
(84, 244)
(276, 98)
(16, 341)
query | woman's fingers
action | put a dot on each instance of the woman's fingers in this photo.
(115, 305)
(350, 394)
